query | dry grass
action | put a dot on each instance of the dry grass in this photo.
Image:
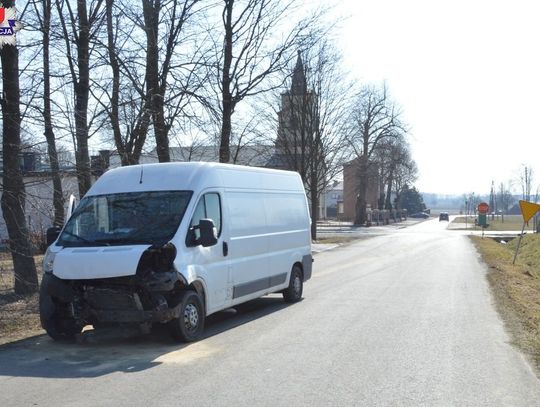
(516, 289)
(19, 315)
(511, 222)
(335, 239)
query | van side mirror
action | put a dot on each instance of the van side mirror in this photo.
(208, 232)
(52, 235)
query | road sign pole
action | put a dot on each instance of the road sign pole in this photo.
(519, 243)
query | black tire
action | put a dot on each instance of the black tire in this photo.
(293, 293)
(55, 319)
(189, 326)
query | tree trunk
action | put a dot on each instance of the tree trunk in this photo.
(115, 91)
(151, 22)
(58, 197)
(13, 194)
(361, 199)
(227, 103)
(160, 129)
(314, 196)
(138, 136)
(388, 201)
(82, 90)
(361, 207)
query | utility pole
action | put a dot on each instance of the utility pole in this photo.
(492, 200)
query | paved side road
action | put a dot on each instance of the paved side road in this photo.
(404, 319)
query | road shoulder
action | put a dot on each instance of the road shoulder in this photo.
(515, 290)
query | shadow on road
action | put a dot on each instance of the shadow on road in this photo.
(40, 356)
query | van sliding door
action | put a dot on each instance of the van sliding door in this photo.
(248, 249)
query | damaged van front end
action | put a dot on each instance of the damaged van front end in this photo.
(113, 265)
(147, 296)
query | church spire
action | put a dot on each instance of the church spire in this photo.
(299, 84)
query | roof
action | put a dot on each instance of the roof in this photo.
(299, 83)
(193, 176)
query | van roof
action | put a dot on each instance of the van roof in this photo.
(193, 176)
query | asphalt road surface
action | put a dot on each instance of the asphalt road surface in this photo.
(404, 319)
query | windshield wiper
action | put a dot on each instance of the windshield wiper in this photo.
(128, 240)
(82, 239)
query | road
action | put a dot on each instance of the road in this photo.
(403, 319)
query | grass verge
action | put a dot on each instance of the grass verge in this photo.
(335, 239)
(19, 317)
(19, 314)
(516, 289)
(510, 222)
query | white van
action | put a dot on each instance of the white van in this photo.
(173, 243)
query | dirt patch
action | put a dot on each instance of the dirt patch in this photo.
(516, 290)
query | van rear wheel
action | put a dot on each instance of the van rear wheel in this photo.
(293, 293)
(188, 327)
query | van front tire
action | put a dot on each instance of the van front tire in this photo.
(293, 293)
(188, 327)
(55, 320)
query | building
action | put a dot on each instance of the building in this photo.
(296, 125)
(37, 179)
(350, 188)
(334, 200)
(39, 201)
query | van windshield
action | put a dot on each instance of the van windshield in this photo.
(125, 219)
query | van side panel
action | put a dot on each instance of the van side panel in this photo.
(269, 232)
(248, 247)
(288, 230)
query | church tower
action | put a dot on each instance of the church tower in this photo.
(296, 122)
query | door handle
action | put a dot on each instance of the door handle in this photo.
(225, 249)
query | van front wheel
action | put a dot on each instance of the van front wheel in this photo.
(55, 319)
(188, 327)
(293, 293)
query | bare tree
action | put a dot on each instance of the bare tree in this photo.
(396, 169)
(44, 21)
(126, 100)
(405, 173)
(79, 26)
(504, 198)
(374, 120)
(161, 92)
(13, 194)
(251, 54)
(525, 181)
(172, 70)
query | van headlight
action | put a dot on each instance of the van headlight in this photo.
(48, 261)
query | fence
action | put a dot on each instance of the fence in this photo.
(384, 217)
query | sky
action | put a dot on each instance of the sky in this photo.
(467, 77)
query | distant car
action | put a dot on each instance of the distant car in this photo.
(443, 216)
(420, 215)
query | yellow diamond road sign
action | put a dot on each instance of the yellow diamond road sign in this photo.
(528, 209)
